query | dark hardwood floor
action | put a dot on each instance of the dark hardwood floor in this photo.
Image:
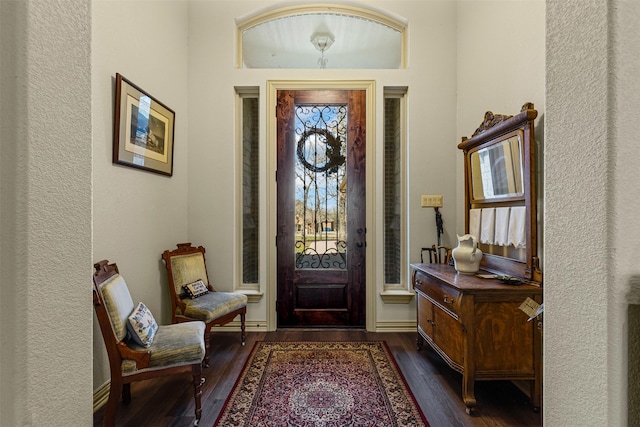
(436, 387)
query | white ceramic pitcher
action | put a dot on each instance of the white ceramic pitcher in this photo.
(467, 256)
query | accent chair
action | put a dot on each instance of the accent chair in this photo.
(137, 347)
(194, 298)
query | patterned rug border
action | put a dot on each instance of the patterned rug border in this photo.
(385, 347)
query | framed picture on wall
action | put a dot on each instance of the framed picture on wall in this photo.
(143, 130)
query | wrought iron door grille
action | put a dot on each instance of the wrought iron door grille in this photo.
(321, 186)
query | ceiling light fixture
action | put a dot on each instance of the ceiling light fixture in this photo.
(322, 42)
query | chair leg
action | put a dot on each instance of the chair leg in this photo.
(197, 390)
(112, 403)
(207, 345)
(242, 327)
(126, 393)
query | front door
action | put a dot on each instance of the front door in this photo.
(321, 215)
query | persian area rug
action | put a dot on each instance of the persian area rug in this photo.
(321, 384)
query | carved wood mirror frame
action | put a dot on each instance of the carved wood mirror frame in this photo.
(494, 129)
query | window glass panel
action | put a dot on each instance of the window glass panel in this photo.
(392, 189)
(250, 190)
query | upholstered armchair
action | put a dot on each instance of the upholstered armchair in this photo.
(194, 298)
(137, 347)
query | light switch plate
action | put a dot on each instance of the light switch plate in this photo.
(431, 201)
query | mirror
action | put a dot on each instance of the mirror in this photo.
(496, 171)
(500, 193)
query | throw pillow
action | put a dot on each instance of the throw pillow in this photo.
(196, 289)
(142, 326)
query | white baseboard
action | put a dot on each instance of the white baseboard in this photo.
(382, 326)
(397, 326)
(101, 395)
(250, 326)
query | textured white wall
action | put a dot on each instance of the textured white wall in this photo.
(45, 305)
(582, 347)
(501, 65)
(138, 214)
(624, 329)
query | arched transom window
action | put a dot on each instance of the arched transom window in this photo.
(321, 36)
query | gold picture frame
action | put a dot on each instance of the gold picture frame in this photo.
(143, 130)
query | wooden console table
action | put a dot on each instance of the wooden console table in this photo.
(477, 327)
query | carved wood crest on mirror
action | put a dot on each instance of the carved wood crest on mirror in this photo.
(500, 193)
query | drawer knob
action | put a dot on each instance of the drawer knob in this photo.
(448, 299)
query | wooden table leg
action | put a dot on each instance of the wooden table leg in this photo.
(468, 392)
(469, 368)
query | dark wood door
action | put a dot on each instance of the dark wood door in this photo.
(321, 215)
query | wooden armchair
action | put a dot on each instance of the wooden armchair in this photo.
(186, 265)
(166, 350)
(437, 255)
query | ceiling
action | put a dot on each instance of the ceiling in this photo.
(285, 42)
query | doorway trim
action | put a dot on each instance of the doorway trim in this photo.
(273, 86)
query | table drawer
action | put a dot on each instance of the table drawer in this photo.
(442, 295)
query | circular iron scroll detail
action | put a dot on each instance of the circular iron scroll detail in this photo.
(334, 159)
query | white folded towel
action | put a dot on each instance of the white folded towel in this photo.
(487, 227)
(474, 223)
(517, 220)
(502, 226)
